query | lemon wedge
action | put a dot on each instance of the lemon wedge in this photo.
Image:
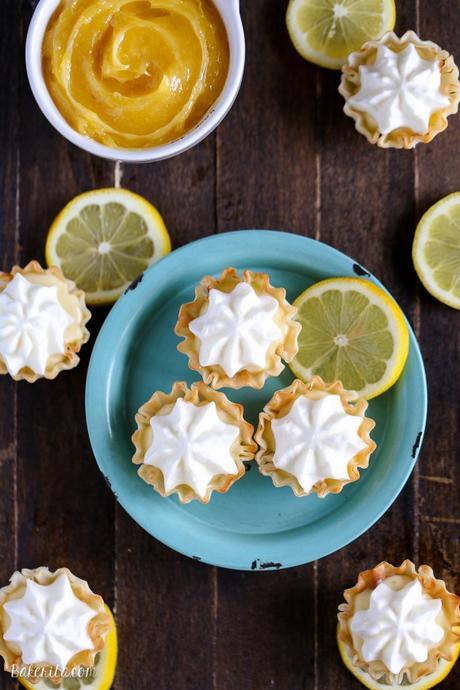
(436, 250)
(327, 31)
(100, 679)
(104, 239)
(444, 668)
(352, 331)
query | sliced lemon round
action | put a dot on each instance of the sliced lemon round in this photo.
(352, 331)
(444, 668)
(104, 239)
(436, 250)
(327, 31)
(99, 678)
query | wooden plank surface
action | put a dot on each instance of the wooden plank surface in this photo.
(284, 158)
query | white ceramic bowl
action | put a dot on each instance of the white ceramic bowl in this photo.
(230, 13)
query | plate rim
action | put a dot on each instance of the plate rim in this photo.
(98, 448)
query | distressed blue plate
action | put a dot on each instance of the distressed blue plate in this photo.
(254, 526)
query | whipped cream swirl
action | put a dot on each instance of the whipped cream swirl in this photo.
(400, 90)
(399, 627)
(237, 329)
(191, 445)
(32, 325)
(49, 624)
(316, 440)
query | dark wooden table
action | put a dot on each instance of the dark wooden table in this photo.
(286, 157)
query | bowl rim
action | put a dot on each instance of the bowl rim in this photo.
(101, 432)
(230, 13)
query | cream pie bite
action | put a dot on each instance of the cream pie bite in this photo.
(238, 329)
(400, 91)
(191, 442)
(43, 319)
(399, 626)
(314, 437)
(51, 623)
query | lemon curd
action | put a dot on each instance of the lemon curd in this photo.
(135, 73)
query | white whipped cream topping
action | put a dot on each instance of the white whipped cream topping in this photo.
(32, 325)
(49, 624)
(237, 329)
(191, 445)
(400, 90)
(316, 440)
(399, 627)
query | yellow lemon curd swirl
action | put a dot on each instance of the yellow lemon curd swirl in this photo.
(135, 73)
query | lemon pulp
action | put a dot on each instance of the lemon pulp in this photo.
(436, 250)
(352, 331)
(104, 239)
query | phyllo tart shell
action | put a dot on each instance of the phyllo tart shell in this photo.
(402, 138)
(98, 626)
(284, 349)
(73, 301)
(280, 405)
(242, 450)
(447, 649)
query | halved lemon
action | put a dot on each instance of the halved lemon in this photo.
(352, 331)
(436, 250)
(104, 239)
(99, 679)
(327, 31)
(444, 668)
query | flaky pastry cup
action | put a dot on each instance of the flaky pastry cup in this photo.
(98, 627)
(73, 300)
(448, 647)
(199, 393)
(279, 406)
(401, 138)
(285, 349)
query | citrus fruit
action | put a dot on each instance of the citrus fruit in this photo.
(104, 670)
(104, 239)
(327, 31)
(352, 331)
(436, 250)
(444, 668)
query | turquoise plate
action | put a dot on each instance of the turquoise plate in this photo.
(254, 526)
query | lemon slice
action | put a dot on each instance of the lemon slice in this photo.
(327, 31)
(99, 679)
(104, 239)
(444, 668)
(436, 250)
(352, 331)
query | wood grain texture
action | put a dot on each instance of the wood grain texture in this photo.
(9, 49)
(284, 158)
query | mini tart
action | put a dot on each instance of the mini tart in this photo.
(285, 348)
(72, 300)
(356, 598)
(280, 405)
(97, 629)
(401, 138)
(243, 449)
